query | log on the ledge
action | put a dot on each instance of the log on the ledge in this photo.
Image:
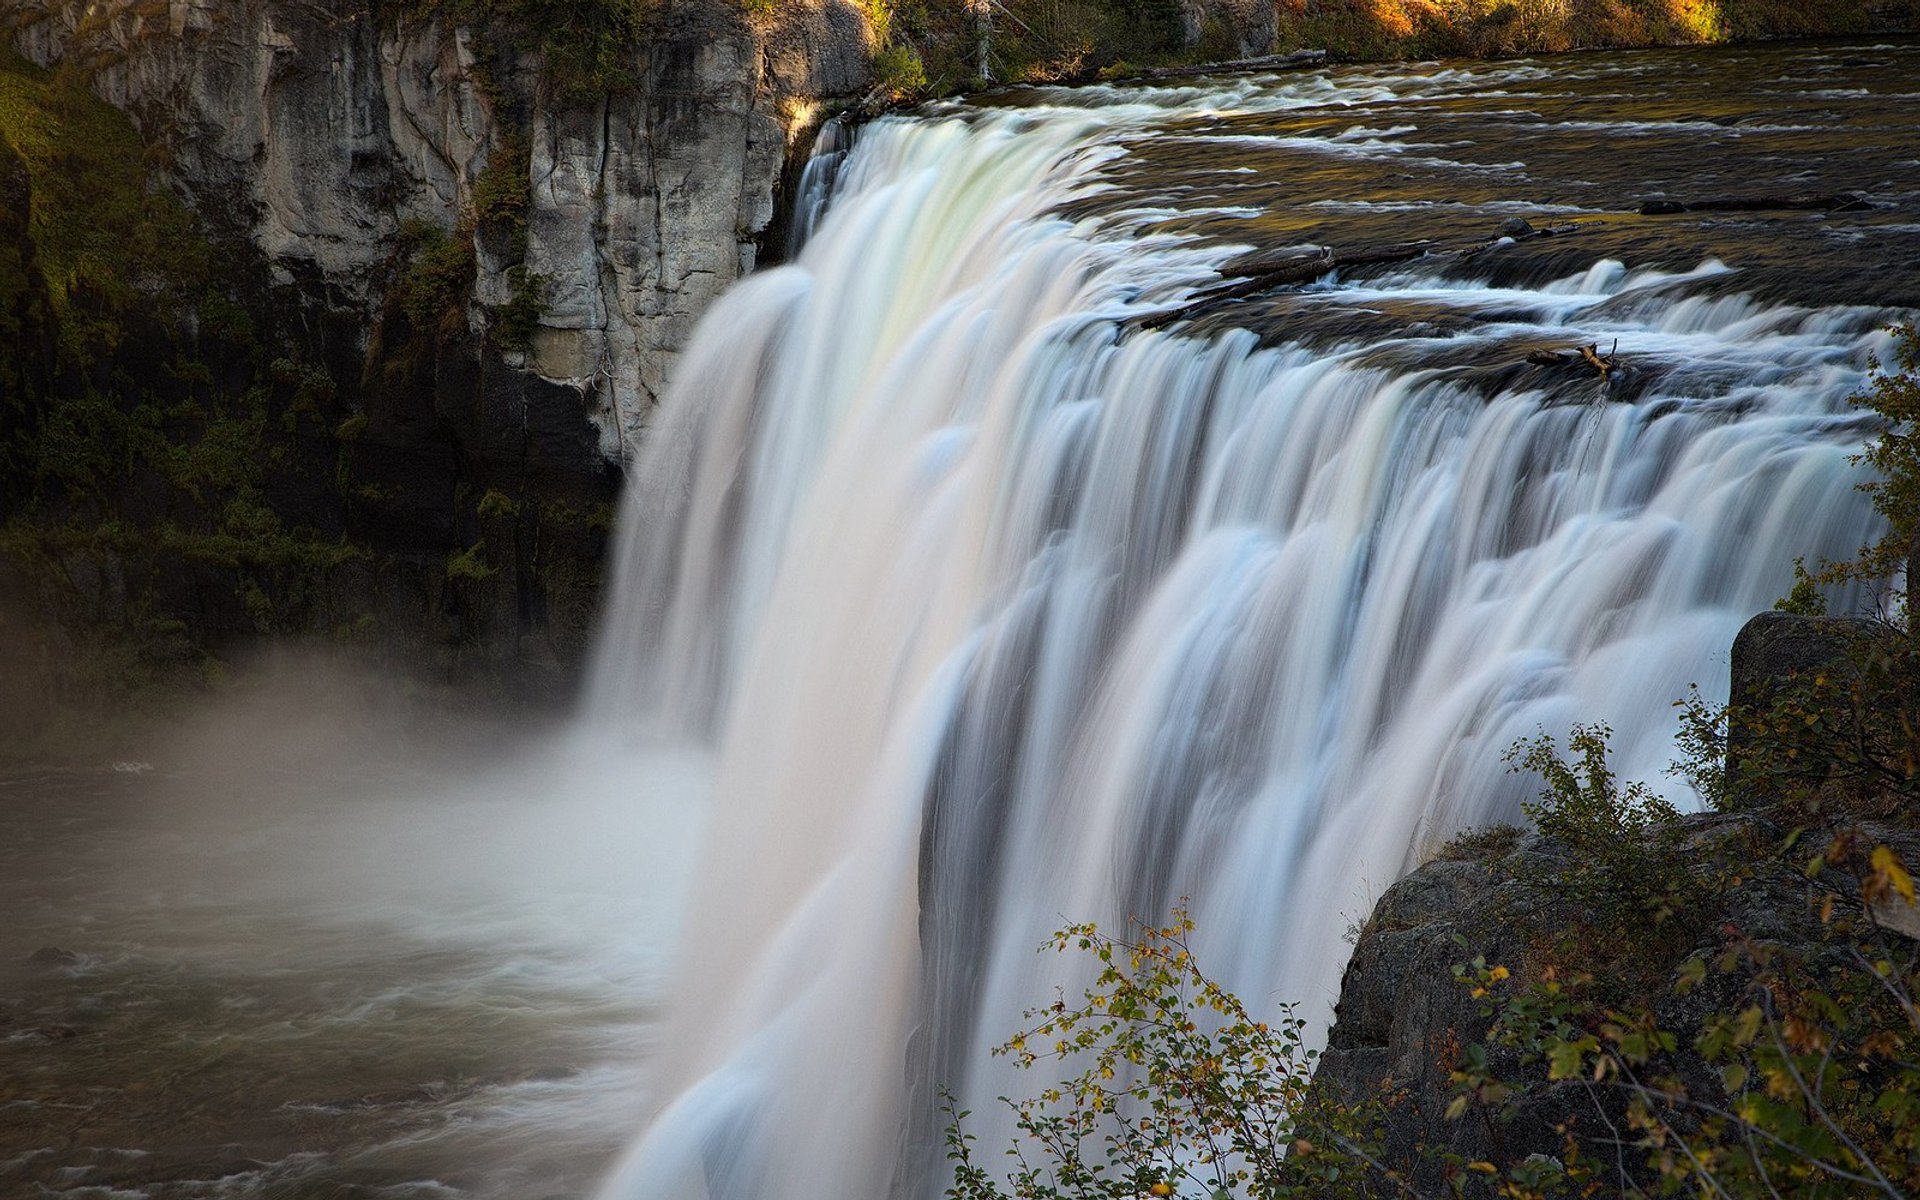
(1295, 61)
(1841, 202)
(1519, 229)
(1251, 274)
(1258, 276)
(1602, 363)
(1582, 356)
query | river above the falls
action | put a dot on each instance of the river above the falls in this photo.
(421, 976)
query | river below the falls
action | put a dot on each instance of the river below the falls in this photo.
(398, 974)
(1257, 600)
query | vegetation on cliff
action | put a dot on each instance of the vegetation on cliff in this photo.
(1381, 29)
(144, 422)
(184, 469)
(587, 48)
(936, 48)
(1039, 40)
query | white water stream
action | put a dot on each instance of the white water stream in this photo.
(1000, 613)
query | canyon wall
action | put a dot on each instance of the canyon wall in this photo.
(465, 285)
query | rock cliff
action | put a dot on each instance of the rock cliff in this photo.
(1710, 887)
(460, 287)
(315, 132)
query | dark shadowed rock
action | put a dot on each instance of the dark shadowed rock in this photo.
(1404, 1022)
(1775, 647)
(1775, 650)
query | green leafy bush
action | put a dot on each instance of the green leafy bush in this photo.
(1811, 1086)
(1626, 874)
(437, 278)
(1840, 740)
(471, 564)
(517, 321)
(503, 193)
(1175, 1089)
(898, 71)
(1894, 397)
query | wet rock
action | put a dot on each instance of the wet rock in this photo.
(1517, 227)
(53, 956)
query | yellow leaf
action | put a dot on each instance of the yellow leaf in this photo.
(1888, 863)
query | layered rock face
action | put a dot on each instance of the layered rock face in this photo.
(315, 131)
(322, 145)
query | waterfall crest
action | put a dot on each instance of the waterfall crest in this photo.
(1001, 611)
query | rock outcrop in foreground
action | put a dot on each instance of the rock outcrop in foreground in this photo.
(1405, 1021)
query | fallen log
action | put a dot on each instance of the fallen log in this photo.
(1583, 356)
(1841, 202)
(1297, 60)
(1516, 229)
(1591, 356)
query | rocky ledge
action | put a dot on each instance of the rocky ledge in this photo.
(1409, 1019)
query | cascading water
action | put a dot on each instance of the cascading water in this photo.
(1001, 610)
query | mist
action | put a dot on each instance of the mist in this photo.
(321, 933)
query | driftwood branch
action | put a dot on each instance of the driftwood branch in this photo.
(1842, 202)
(1588, 355)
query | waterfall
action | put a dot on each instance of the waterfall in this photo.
(1000, 610)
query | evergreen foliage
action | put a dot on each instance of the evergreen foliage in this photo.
(141, 340)
(587, 48)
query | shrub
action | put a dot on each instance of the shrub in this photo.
(1894, 397)
(898, 71)
(1812, 1088)
(1179, 1090)
(1625, 871)
(1843, 739)
(437, 277)
(471, 564)
(589, 47)
(516, 321)
(503, 193)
